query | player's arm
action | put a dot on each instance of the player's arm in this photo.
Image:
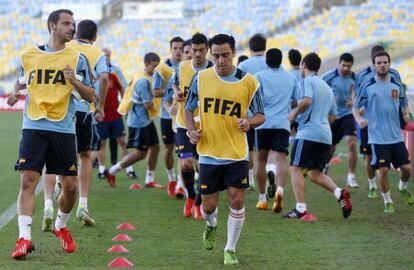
(332, 113)
(143, 87)
(20, 84)
(167, 102)
(305, 102)
(256, 107)
(83, 70)
(178, 94)
(360, 102)
(157, 83)
(103, 69)
(190, 106)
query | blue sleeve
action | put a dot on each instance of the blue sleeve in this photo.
(307, 89)
(332, 110)
(169, 92)
(142, 90)
(361, 98)
(157, 80)
(121, 77)
(83, 69)
(102, 66)
(296, 91)
(402, 97)
(176, 77)
(256, 105)
(192, 99)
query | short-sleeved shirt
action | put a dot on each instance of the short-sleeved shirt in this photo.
(369, 73)
(313, 122)
(256, 106)
(138, 115)
(382, 100)
(254, 64)
(296, 73)
(67, 125)
(278, 89)
(341, 86)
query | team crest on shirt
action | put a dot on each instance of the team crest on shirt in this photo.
(394, 94)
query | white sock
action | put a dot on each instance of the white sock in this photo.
(386, 197)
(129, 169)
(114, 169)
(251, 177)
(280, 189)
(172, 177)
(372, 182)
(83, 202)
(180, 183)
(210, 218)
(262, 198)
(234, 226)
(402, 185)
(149, 177)
(271, 168)
(351, 176)
(337, 193)
(61, 220)
(25, 227)
(301, 207)
(196, 175)
(48, 204)
(101, 168)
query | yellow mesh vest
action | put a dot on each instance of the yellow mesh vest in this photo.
(126, 103)
(165, 71)
(49, 92)
(221, 104)
(186, 73)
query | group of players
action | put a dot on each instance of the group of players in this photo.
(214, 113)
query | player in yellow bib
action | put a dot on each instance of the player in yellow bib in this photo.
(223, 95)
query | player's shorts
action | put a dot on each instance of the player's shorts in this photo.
(364, 146)
(167, 132)
(214, 178)
(185, 148)
(385, 154)
(96, 138)
(344, 126)
(273, 139)
(83, 131)
(113, 129)
(251, 135)
(309, 154)
(142, 138)
(56, 150)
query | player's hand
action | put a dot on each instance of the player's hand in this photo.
(69, 74)
(362, 111)
(179, 96)
(13, 98)
(194, 135)
(243, 124)
(99, 114)
(174, 109)
(363, 123)
(291, 116)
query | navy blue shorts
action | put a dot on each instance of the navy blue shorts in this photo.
(113, 129)
(142, 138)
(273, 139)
(310, 155)
(84, 131)
(364, 146)
(385, 154)
(185, 148)
(251, 135)
(167, 132)
(344, 126)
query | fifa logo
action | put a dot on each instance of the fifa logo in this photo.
(47, 76)
(222, 106)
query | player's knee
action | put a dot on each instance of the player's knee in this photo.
(27, 183)
(155, 148)
(187, 164)
(237, 202)
(406, 170)
(85, 155)
(352, 142)
(314, 176)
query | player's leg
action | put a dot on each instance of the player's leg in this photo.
(263, 146)
(167, 135)
(349, 131)
(401, 160)
(151, 137)
(49, 182)
(101, 159)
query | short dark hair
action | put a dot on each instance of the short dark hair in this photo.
(375, 49)
(274, 58)
(55, 15)
(187, 42)
(242, 58)
(257, 43)
(381, 53)
(176, 39)
(294, 57)
(151, 57)
(221, 39)
(199, 38)
(346, 57)
(312, 61)
(87, 29)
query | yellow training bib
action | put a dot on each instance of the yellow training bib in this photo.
(165, 71)
(186, 74)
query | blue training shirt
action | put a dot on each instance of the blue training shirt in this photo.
(313, 122)
(342, 89)
(256, 106)
(67, 125)
(382, 100)
(278, 89)
(138, 115)
(369, 73)
(254, 64)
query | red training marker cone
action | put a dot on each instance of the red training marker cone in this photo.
(118, 249)
(135, 186)
(126, 227)
(122, 237)
(120, 263)
(336, 160)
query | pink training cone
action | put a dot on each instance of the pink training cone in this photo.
(120, 263)
(122, 237)
(126, 227)
(135, 186)
(336, 160)
(117, 249)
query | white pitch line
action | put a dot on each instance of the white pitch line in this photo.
(11, 212)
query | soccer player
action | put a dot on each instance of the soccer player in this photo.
(382, 97)
(342, 82)
(161, 82)
(294, 59)
(186, 150)
(112, 125)
(223, 94)
(279, 90)
(187, 50)
(252, 65)
(50, 72)
(142, 135)
(86, 34)
(364, 148)
(314, 138)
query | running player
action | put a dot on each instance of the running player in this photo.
(342, 82)
(279, 90)
(294, 59)
(314, 138)
(48, 131)
(382, 96)
(187, 50)
(223, 94)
